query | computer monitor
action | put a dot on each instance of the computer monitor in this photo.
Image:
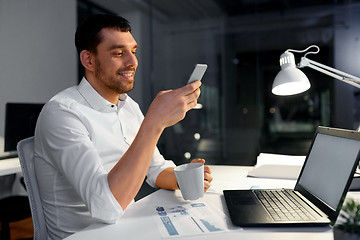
(20, 122)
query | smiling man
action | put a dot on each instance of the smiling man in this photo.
(93, 146)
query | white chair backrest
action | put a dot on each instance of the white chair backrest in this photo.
(25, 150)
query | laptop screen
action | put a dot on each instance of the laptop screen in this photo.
(335, 156)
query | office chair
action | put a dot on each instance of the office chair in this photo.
(25, 150)
(12, 209)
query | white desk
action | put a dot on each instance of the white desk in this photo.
(9, 166)
(138, 223)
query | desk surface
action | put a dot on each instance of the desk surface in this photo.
(139, 215)
(9, 166)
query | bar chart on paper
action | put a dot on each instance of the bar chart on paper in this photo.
(186, 220)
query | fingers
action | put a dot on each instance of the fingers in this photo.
(191, 93)
(207, 177)
(207, 185)
(198, 160)
(207, 169)
(190, 88)
(171, 106)
(207, 173)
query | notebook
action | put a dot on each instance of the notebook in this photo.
(319, 191)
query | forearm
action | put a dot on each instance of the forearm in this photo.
(126, 177)
(168, 108)
(167, 180)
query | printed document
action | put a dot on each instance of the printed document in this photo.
(188, 219)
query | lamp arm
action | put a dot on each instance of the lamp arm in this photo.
(342, 76)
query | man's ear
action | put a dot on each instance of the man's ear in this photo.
(87, 60)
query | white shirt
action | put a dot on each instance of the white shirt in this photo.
(79, 137)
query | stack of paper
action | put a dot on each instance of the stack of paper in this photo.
(277, 166)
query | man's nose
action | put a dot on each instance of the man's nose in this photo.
(131, 60)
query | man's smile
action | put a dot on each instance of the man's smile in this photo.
(127, 74)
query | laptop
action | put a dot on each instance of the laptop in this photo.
(319, 192)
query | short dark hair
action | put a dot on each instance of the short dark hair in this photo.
(87, 35)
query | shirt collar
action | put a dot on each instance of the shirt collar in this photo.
(95, 100)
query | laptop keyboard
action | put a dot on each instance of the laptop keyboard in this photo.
(283, 205)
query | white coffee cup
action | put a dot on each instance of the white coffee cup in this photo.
(190, 178)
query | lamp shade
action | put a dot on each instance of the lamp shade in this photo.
(290, 80)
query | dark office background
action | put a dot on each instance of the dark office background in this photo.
(241, 42)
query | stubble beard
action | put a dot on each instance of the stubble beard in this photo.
(112, 81)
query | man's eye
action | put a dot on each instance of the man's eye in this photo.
(118, 53)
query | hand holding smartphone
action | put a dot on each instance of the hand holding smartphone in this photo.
(198, 73)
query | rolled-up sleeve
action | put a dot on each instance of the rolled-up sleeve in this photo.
(158, 164)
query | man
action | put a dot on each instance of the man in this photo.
(93, 146)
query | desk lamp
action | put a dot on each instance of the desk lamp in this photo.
(290, 80)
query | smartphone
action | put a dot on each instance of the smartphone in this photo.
(198, 73)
